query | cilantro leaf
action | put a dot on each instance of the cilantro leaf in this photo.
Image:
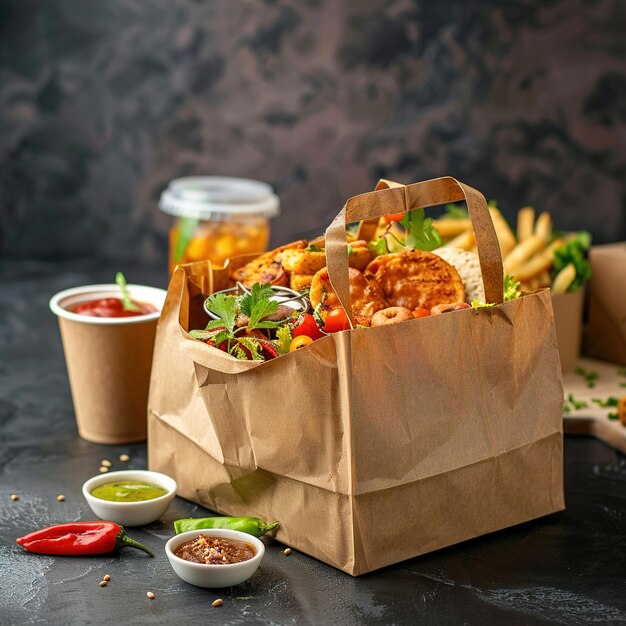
(574, 252)
(605, 404)
(257, 293)
(313, 248)
(577, 404)
(456, 212)
(257, 305)
(225, 307)
(420, 232)
(262, 309)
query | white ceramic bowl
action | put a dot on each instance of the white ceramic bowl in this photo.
(214, 576)
(130, 513)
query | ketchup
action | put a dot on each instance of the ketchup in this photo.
(111, 307)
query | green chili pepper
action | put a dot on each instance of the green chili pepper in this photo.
(251, 525)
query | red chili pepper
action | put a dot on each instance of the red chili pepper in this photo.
(80, 538)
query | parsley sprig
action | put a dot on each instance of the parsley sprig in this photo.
(420, 234)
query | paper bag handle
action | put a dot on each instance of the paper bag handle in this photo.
(415, 196)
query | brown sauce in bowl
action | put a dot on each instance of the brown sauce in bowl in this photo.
(215, 550)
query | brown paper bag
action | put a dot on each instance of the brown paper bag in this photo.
(605, 336)
(373, 445)
(568, 321)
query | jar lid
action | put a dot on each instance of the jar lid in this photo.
(218, 197)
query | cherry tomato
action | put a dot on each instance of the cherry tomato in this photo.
(421, 313)
(299, 342)
(394, 217)
(336, 320)
(307, 327)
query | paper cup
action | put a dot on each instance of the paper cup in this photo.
(108, 362)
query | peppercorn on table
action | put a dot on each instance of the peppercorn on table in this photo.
(563, 568)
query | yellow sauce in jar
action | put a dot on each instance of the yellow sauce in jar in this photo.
(218, 218)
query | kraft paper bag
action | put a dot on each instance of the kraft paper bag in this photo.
(372, 445)
(605, 336)
(568, 320)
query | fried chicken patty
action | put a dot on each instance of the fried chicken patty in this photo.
(366, 296)
(416, 279)
(266, 268)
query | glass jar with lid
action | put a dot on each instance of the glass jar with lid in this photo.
(218, 217)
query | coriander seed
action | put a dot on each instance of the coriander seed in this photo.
(106, 463)
(61, 498)
(14, 497)
(217, 602)
(124, 458)
(150, 595)
(287, 551)
(103, 470)
(106, 578)
(103, 583)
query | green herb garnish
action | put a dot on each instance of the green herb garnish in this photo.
(510, 292)
(605, 404)
(186, 229)
(313, 248)
(574, 252)
(127, 303)
(258, 305)
(613, 415)
(456, 212)
(420, 232)
(511, 288)
(589, 376)
(225, 307)
(577, 404)
(283, 339)
(379, 246)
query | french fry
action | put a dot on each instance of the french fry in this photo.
(368, 229)
(522, 252)
(506, 238)
(525, 223)
(538, 264)
(449, 227)
(543, 226)
(564, 279)
(465, 241)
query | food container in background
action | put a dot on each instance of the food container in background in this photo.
(108, 362)
(605, 336)
(568, 318)
(218, 217)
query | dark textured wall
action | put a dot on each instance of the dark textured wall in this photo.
(103, 102)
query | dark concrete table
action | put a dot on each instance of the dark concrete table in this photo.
(567, 568)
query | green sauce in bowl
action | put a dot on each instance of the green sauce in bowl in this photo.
(128, 491)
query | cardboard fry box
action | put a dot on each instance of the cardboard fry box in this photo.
(447, 427)
(605, 335)
(568, 320)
